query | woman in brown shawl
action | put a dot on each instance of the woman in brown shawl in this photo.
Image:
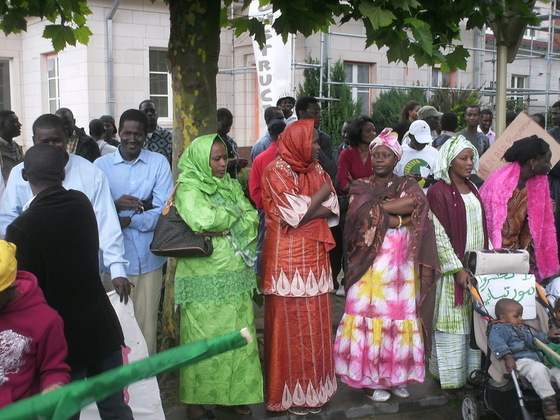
(392, 265)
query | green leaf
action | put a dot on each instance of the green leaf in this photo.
(423, 35)
(240, 25)
(79, 20)
(13, 22)
(398, 52)
(56, 36)
(457, 59)
(61, 36)
(376, 15)
(406, 4)
(82, 34)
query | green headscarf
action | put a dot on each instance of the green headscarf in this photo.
(449, 151)
(196, 171)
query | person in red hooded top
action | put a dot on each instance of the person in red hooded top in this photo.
(32, 344)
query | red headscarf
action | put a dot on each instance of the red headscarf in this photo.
(295, 144)
(294, 148)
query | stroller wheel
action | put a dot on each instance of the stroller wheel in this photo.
(470, 408)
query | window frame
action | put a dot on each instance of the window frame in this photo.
(6, 97)
(56, 78)
(169, 94)
(355, 90)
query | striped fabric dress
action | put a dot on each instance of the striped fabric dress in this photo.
(452, 360)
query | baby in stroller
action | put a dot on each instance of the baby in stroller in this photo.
(512, 342)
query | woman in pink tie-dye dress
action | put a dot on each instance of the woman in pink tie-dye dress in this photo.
(379, 344)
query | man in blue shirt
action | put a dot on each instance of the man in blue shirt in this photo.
(140, 183)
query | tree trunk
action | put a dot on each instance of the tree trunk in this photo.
(194, 49)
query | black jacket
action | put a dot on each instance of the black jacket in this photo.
(57, 240)
(87, 147)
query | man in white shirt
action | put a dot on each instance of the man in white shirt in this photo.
(419, 158)
(83, 176)
(287, 103)
(486, 117)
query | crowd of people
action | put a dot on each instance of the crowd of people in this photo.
(390, 212)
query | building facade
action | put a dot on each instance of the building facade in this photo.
(124, 63)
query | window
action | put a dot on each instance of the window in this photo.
(53, 83)
(357, 73)
(160, 83)
(530, 33)
(519, 82)
(5, 102)
(440, 79)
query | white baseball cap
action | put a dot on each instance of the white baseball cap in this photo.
(421, 131)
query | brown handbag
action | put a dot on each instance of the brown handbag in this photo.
(173, 237)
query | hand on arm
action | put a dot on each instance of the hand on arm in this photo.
(232, 163)
(316, 210)
(242, 163)
(129, 202)
(402, 206)
(124, 221)
(399, 221)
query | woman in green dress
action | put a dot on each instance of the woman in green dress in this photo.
(215, 292)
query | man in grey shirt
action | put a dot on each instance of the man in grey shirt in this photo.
(479, 140)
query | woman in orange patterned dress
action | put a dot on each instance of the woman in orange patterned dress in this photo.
(300, 204)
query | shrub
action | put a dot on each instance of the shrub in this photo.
(387, 109)
(456, 101)
(341, 106)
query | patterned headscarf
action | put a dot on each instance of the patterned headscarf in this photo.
(8, 264)
(449, 151)
(387, 138)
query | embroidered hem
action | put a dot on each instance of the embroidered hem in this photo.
(218, 288)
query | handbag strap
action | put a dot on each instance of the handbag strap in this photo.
(171, 203)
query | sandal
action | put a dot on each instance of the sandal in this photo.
(380, 395)
(240, 410)
(314, 410)
(400, 392)
(299, 411)
(207, 415)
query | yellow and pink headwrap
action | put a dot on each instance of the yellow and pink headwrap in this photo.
(387, 138)
(8, 264)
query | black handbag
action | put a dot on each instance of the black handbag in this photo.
(173, 237)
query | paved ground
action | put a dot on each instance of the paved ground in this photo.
(426, 402)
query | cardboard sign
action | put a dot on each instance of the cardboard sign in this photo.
(522, 126)
(519, 287)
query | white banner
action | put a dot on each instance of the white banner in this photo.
(143, 396)
(274, 61)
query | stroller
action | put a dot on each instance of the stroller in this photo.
(509, 396)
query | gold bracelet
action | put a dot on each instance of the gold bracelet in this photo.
(400, 221)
